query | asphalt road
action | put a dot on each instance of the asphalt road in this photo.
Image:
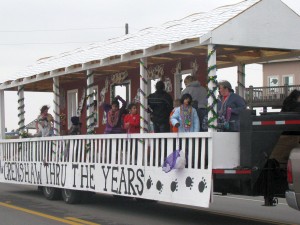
(24, 205)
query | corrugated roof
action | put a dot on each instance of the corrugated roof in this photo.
(193, 26)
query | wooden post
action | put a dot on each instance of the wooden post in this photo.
(56, 110)
(241, 80)
(2, 115)
(212, 71)
(251, 97)
(21, 110)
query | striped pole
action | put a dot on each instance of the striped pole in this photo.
(143, 96)
(212, 88)
(56, 110)
(90, 122)
(21, 110)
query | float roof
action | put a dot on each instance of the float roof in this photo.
(248, 32)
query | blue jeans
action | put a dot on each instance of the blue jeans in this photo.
(161, 128)
(202, 114)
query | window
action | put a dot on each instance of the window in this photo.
(153, 83)
(179, 82)
(122, 90)
(72, 99)
(273, 82)
(288, 80)
(183, 76)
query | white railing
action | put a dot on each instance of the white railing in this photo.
(115, 164)
(138, 149)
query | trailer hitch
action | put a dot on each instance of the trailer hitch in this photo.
(269, 186)
(270, 201)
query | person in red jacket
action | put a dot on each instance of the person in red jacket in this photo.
(132, 120)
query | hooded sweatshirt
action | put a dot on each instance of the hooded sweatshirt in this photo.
(198, 93)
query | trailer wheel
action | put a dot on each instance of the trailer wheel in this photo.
(52, 193)
(143, 200)
(71, 196)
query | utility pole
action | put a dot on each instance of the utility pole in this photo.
(126, 28)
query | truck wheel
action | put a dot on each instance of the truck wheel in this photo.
(71, 196)
(52, 193)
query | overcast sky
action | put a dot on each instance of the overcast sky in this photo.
(34, 29)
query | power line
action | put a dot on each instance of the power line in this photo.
(57, 30)
(50, 43)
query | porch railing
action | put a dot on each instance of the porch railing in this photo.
(136, 149)
(268, 96)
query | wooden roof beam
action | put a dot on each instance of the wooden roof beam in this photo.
(162, 58)
(184, 44)
(182, 53)
(111, 60)
(30, 78)
(136, 52)
(189, 40)
(58, 72)
(134, 55)
(156, 50)
(110, 70)
(262, 59)
(75, 67)
(20, 80)
(222, 50)
(127, 67)
(91, 63)
(115, 57)
(249, 54)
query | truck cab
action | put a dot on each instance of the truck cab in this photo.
(293, 177)
(266, 141)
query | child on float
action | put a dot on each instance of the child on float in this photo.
(114, 116)
(44, 123)
(132, 120)
(185, 117)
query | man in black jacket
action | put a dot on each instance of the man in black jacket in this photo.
(161, 104)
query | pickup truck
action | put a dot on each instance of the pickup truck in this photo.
(293, 178)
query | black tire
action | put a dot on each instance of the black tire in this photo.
(71, 196)
(121, 197)
(143, 200)
(52, 193)
(88, 197)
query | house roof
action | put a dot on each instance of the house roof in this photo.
(235, 27)
(31, 125)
